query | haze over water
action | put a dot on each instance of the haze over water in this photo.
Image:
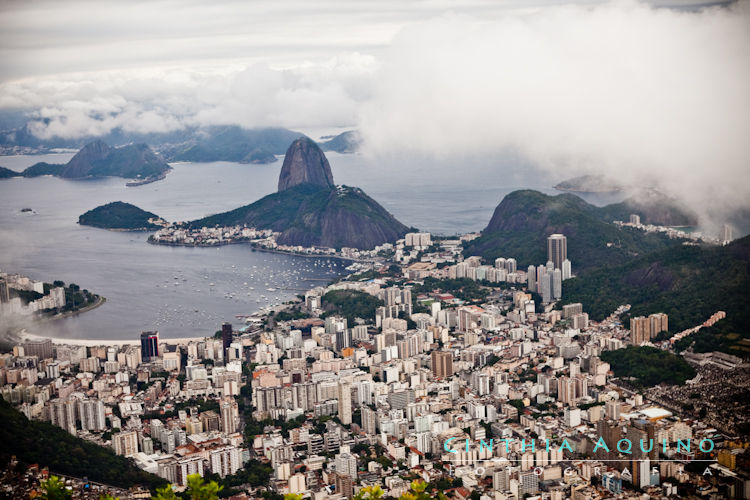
(169, 288)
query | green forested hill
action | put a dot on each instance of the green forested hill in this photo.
(119, 215)
(522, 221)
(689, 283)
(650, 366)
(311, 215)
(42, 443)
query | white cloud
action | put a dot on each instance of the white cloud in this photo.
(653, 96)
(645, 95)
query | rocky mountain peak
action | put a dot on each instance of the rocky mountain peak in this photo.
(305, 163)
(82, 163)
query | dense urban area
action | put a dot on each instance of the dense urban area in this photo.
(425, 369)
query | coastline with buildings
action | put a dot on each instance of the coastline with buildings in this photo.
(492, 374)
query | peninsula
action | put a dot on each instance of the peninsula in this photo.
(97, 159)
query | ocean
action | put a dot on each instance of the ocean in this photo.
(184, 292)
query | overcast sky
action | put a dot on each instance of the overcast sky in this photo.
(655, 95)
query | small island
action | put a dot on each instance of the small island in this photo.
(121, 216)
(589, 184)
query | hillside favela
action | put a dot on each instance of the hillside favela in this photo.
(406, 250)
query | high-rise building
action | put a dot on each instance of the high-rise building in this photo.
(726, 234)
(643, 329)
(226, 338)
(580, 321)
(4, 291)
(528, 483)
(501, 480)
(442, 364)
(658, 322)
(346, 463)
(225, 460)
(635, 219)
(557, 249)
(531, 279)
(92, 415)
(545, 288)
(570, 310)
(344, 485)
(369, 421)
(345, 402)
(343, 339)
(401, 399)
(42, 349)
(125, 443)
(149, 346)
(229, 416)
(640, 330)
(557, 284)
(63, 414)
(567, 271)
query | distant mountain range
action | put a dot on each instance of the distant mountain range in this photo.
(97, 159)
(345, 142)
(309, 210)
(589, 184)
(195, 144)
(231, 143)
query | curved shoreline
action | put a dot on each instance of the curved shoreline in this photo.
(260, 249)
(69, 314)
(99, 301)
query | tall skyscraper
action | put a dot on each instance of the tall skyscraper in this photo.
(91, 412)
(658, 322)
(345, 402)
(557, 284)
(343, 339)
(63, 414)
(545, 288)
(643, 329)
(557, 249)
(442, 364)
(369, 420)
(531, 279)
(4, 291)
(226, 338)
(640, 330)
(726, 234)
(567, 271)
(229, 416)
(149, 346)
